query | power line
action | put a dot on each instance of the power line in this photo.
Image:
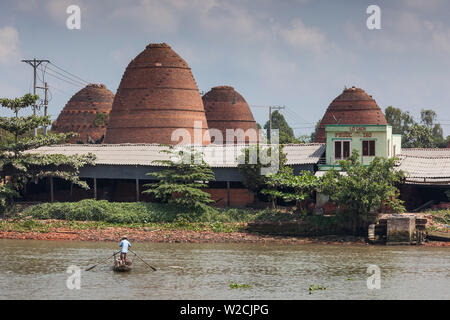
(292, 111)
(69, 78)
(61, 91)
(67, 81)
(291, 114)
(87, 82)
(256, 106)
(270, 119)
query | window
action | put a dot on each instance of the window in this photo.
(341, 150)
(369, 148)
(346, 148)
(338, 149)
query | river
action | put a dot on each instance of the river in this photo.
(38, 270)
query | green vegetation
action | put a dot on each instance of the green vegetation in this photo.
(425, 134)
(255, 162)
(362, 188)
(131, 212)
(286, 133)
(101, 119)
(101, 214)
(182, 181)
(143, 212)
(286, 186)
(440, 220)
(441, 216)
(313, 287)
(359, 189)
(17, 166)
(315, 132)
(45, 226)
(234, 285)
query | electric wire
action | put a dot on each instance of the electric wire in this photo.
(87, 82)
(62, 79)
(69, 78)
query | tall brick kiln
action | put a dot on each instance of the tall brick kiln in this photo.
(227, 109)
(352, 106)
(157, 95)
(87, 114)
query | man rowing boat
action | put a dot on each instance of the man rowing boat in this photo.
(125, 244)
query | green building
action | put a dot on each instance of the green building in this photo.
(369, 140)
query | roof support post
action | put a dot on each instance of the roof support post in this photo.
(52, 195)
(95, 188)
(137, 190)
(228, 194)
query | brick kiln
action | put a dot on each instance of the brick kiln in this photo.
(157, 95)
(226, 109)
(352, 106)
(87, 114)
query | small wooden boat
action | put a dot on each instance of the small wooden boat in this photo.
(119, 266)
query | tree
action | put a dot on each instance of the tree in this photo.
(304, 139)
(426, 134)
(289, 187)
(18, 166)
(286, 133)
(428, 118)
(182, 181)
(316, 130)
(419, 136)
(401, 122)
(252, 163)
(361, 188)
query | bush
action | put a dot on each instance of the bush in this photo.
(132, 212)
(113, 212)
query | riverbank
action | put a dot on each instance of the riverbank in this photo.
(32, 229)
(52, 230)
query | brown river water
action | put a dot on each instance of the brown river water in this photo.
(32, 269)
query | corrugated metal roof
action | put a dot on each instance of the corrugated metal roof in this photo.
(146, 154)
(304, 153)
(426, 152)
(426, 166)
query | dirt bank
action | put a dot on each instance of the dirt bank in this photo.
(80, 231)
(170, 236)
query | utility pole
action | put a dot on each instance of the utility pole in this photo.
(35, 63)
(270, 119)
(45, 88)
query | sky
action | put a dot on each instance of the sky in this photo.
(294, 53)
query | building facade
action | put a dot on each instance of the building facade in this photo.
(369, 141)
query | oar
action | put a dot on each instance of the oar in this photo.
(101, 261)
(154, 269)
